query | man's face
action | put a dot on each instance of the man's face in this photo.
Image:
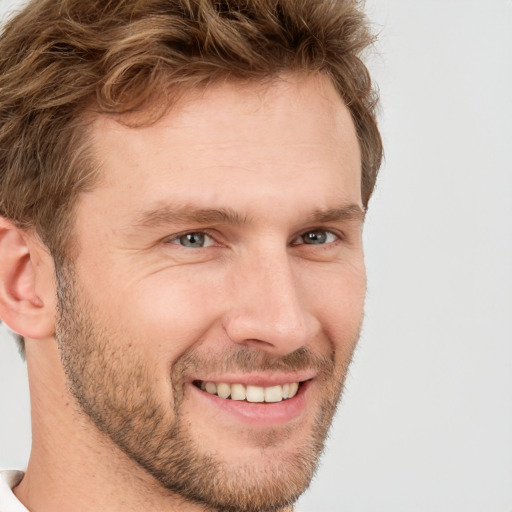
(220, 254)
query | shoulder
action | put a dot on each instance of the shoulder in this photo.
(8, 501)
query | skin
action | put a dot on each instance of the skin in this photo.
(141, 316)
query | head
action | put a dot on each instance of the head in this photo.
(163, 153)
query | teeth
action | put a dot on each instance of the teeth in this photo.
(211, 387)
(251, 393)
(223, 390)
(255, 394)
(274, 394)
(294, 387)
(237, 392)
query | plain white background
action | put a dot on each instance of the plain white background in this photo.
(426, 420)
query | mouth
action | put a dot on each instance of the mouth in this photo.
(250, 393)
(258, 400)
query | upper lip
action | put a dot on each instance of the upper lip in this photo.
(258, 379)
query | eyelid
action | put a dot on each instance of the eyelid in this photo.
(171, 239)
(335, 232)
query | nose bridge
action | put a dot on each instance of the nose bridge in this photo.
(267, 306)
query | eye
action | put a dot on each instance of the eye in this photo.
(192, 240)
(316, 237)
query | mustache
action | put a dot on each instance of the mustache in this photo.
(245, 359)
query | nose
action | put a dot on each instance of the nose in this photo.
(268, 308)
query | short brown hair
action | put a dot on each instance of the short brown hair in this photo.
(60, 57)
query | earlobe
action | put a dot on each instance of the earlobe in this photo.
(22, 308)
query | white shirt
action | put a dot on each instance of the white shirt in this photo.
(8, 501)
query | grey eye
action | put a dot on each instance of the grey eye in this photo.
(193, 240)
(316, 237)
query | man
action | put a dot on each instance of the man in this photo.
(183, 187)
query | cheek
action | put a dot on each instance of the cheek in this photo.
(169, 311)
(338, 303)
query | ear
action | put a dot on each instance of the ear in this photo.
(27, 289)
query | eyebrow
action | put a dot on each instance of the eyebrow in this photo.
(188, 214)
(350, 212)
(167, 214)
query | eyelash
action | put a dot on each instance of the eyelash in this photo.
(175, 238)
(336, 237)
(328, 233)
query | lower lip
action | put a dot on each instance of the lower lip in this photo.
(259, 414)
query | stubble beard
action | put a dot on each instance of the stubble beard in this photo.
(114, 389)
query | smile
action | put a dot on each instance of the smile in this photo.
(253, 394)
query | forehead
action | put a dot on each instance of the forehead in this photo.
(294, 128)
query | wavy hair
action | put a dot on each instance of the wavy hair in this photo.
(62, 61)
